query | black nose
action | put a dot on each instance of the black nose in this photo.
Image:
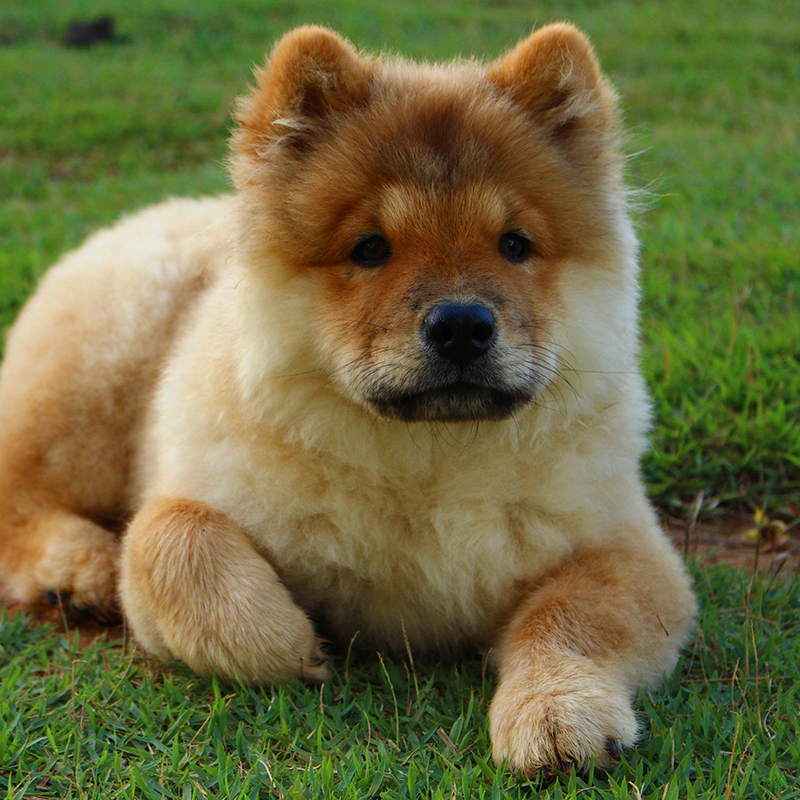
(460, 332)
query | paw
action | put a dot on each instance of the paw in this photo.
(318, 669)
(569, 715)
(269, 639)
(77, 611)
(194, 588)
(78, 568)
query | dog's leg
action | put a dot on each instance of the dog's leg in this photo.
(578, 646)
(194, 587)
(61, 557)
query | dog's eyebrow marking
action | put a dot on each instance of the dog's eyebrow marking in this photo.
(401, 205)
(414, 208)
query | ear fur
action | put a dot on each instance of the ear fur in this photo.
(312, 74)
(555, 76)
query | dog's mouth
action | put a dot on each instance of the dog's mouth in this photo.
(456, 402)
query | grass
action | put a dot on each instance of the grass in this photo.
(101, 722)
(710, 95)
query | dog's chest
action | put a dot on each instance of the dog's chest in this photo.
(438, 566)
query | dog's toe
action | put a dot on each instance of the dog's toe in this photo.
(587, 721)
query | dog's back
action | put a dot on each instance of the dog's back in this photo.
(80, 365)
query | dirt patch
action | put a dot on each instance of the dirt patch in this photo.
(88, 629)
(722, 541)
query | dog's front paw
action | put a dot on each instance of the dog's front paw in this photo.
(193, 587)
(562, 714)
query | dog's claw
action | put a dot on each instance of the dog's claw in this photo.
(80, 611)
(99, 614)
(56, 598)
(613, 748)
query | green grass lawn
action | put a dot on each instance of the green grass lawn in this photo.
(710, 92)
(101, 722)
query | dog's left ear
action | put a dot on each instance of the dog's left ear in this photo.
(311, 75)
(555, 76)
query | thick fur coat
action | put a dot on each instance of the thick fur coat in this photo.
(390, 385)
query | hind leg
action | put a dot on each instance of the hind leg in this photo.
(61, 557)
(78, 372)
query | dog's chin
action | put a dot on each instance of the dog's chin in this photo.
(456, 402)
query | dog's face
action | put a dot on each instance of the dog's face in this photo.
(440, 210)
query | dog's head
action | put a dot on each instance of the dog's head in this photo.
(442, 212)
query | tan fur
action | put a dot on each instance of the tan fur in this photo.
(176, 543)
(272, 412)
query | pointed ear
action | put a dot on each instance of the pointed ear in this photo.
(555, 76)
(311, 75)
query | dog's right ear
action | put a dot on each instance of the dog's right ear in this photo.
(555, 77)
(312, 75)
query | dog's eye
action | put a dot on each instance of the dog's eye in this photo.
(514, 246)
(374, 251)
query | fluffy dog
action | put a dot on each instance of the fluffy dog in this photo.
(389, 386)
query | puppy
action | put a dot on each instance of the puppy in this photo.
(390, 386)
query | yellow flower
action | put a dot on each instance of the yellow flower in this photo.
(769, 532)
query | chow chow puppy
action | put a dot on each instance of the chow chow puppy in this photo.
(387, 390)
